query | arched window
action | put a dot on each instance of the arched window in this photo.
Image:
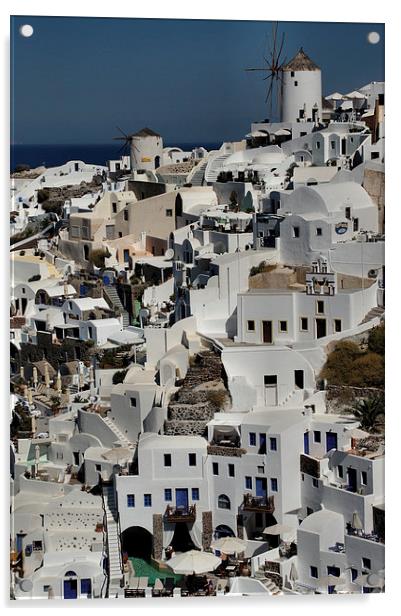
(223, 502)
(70, 574)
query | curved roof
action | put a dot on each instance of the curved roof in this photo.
(326, 199)
(265, 155)
(301, 62)
(320, 521)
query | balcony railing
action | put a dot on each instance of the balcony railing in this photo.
(180, 514)
(258, 503)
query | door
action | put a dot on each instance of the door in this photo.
(299, 379)
(267, 329)
(70, 589)
(306, 443)
(261, 487)
(262, 443)
(321, 328)
(86, 588)
(351, 479)
(270, 382)
(331, 441)
(181, 499)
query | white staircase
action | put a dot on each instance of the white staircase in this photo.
(214, 167)
(374, 313)
(113, 543)
(268, 582)
(114, 299)
(196, 177)
(114, 428)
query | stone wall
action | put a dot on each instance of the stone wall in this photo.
(207, 529)
(176, 427)
(157, 536)
(374, 184)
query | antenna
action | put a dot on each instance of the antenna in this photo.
(274, 66)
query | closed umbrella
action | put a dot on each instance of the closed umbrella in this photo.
(29, 396)
(193, 562)
(229, 545)
(293, 572)
(35, 376)
(356, 521)
(47, 376)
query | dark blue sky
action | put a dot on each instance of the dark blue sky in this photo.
(75, 79)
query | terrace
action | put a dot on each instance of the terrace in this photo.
(258, 503)
(180, 514)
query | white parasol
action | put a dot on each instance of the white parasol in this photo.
(193, 562)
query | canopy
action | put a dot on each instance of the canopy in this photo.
(277, 529)
(229, 545)
(336, 96)
(282, 131)
(355, 94)
(293, 572)
(193, 562)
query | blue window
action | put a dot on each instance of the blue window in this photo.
(195, 494)
(86, 586)
(130, 500)
(248, 483)
(273, 484)
(335, 571)
(273, 444)
(168, 494)
(252, 438)
(147, 500)
(313, 572)
(317, 437)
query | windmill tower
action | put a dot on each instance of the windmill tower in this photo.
(301, 90)
(145, 149)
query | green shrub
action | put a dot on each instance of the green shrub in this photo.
(376, 340)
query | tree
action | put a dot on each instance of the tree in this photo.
(43, 195)
(368, 411)
(118, 377)
(339, 365)
(376, 339)
(367, 371)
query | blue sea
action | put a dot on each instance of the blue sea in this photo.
(98, 154)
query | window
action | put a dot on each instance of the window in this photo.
(318, 145)
(252, 439)
(147, 500)
(313, 572)
(273, 443)
(168, 494)
(356, 224)
(195, 494)
(114, 208)
(169, 213)
(320, 306)
(299, 379)
(231, 470)
(354, 574)
(364, 478)
(332, 145)
(46, 588)
(133, 401)
(295, 83)
(248, 483)
(337, 325)
(98, 467)
(304, 324)
(295, 232)
(319, 231)
(251, 326)
(261, 470)
(283, 326)
(315, 483)
(167, 459)
(292, 73)
(125, 214)
(348, 213)
(192, 459)
(335, 571)
(86, 586)
(366, 563)
(340, 471)
(76, 457)
(303, 476)
(273, 484)
(223, 502)
(317, 437)
(215, 468)
(130, 500)
(36, 546)
(120, 234)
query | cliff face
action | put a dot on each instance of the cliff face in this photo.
(374, 184)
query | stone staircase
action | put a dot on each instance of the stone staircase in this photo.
(197, 175)
(116, 430)
(376, 312)
(113, 543)
(112, 298)
(262, 576)
(192, 407)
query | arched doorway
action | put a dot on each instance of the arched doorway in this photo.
(181, 541)
(223, 531)
(178, 205)
(137, 542)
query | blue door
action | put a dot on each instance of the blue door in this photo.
(261, 487)
(306, 443)
(181, 498)
(331, 440)
(18, 542)
(70, 589)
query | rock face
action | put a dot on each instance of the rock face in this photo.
(157, 536)
(207, 529)
(202, 394)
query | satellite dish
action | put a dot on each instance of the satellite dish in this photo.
(169, 254)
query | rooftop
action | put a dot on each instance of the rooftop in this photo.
(301, 62)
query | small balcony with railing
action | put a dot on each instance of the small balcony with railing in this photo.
(258, 503)
(180, 514)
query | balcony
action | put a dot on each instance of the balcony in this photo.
(258, 503)
(180, 514)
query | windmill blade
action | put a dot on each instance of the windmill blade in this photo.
(269, 91)
(268, 76)
(254, 69)
(280, 49)
(274, 44)
(122, 132)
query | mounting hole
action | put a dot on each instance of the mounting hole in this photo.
(26, 30)
(373, 38)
